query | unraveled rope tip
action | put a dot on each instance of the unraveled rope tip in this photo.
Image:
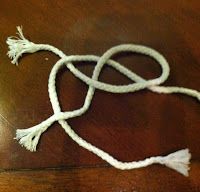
(18, 45)
(179, 161)
(28, 138)
(19, 32)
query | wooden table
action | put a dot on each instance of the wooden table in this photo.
(128, 126)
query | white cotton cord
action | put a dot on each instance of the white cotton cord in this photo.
(30, 47)
(29, 138)
(180, 159)
(181, 90)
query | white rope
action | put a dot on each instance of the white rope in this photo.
(29, 138)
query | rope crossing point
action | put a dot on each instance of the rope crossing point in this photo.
(29, 138)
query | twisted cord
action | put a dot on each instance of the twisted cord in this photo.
(29, 138)
(152, 84)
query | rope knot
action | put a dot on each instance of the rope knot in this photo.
(29, 138)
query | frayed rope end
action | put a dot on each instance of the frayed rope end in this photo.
(28, 138)
(179, 161)
(19, 45)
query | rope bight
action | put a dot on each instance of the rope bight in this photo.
(29, 138)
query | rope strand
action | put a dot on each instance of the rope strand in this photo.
(29, 138)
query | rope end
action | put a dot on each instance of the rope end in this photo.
(18, 45)
(179, 161)
(28, 138)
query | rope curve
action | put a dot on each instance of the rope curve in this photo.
(29, 138)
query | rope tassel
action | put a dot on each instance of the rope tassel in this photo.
(29, 138)
(19, 45)
(179, 161)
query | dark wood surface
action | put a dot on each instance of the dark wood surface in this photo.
(99, 179)
(128, 126)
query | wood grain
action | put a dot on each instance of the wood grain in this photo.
(128, 126)
(100, 179)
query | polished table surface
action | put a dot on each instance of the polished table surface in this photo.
(129, 126)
